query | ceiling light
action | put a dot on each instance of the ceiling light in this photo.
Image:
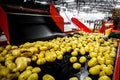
(86, 7)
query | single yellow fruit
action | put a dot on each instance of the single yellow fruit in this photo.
(104, 78)
(51, 57)
(73, 59)
(1, 48)
(74, 53)
(92, 62)
(29, 68)
(41, 61)
(76, 65)
(95, 70)
(109, 62)
(68, 49)
(48, 77)
(87, 78)
(93, 54)
(82, 59)
(101, 60)
(111, 67)
(102, 73)
(36, 70)
(73, 78)
(87, 48)
(34, 58)
(82, 51)
(41, 55)
(60, 57)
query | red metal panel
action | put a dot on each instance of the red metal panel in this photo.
(81, 25)
(4, 23)
(116, 75)
(56, 17)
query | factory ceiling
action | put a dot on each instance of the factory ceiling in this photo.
(93, 5)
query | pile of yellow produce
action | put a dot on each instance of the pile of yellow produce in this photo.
(15, 60)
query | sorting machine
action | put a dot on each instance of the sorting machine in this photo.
(29, 21)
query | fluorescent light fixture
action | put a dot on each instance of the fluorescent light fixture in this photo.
(86, 7)
(69, 0)
(117, 6)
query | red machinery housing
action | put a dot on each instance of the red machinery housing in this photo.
(22, 23)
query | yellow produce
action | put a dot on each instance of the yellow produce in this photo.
(109, 62)
(34, 58)
(102, 49)
(108, 71)
(36, 70)
(79, 45)
(8, 47)
(63, 50)
(110, 66)
(12, 76)
(95, 70)
(2, 59)
(60, 57)
(26, 53)
(86, 48)
(102, 73)
(74, 53)
(82, 59)
(4, 71)
(4, 78)
(102, 66)
(73, 78)
(87, 78)
(43, 48)
(96, 50)
(41, 55)
(74, 46)
(21, 63)
(68, 49)
(91, 49)
(52, 50)
(41, 61)
(104, 78)
(100, 54)
(8, 62)
(113, 54)
(8, 55)
(16, 52)
(92, 62)
(26, 45)
(10, 58)
(82, 51)
(14, 47)
(59, 53)
(29, 68)
(4, 52)
(15, 60)
(11, 66)
(33, 76)
(76, 65)
(51, 57)
(55, 47)
(101, 60)
(48, 77)
(73, 59)
(24, 75)
(93, 54)
(33, 49)
(1, 48)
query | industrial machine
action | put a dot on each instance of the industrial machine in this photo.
(23, 21)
